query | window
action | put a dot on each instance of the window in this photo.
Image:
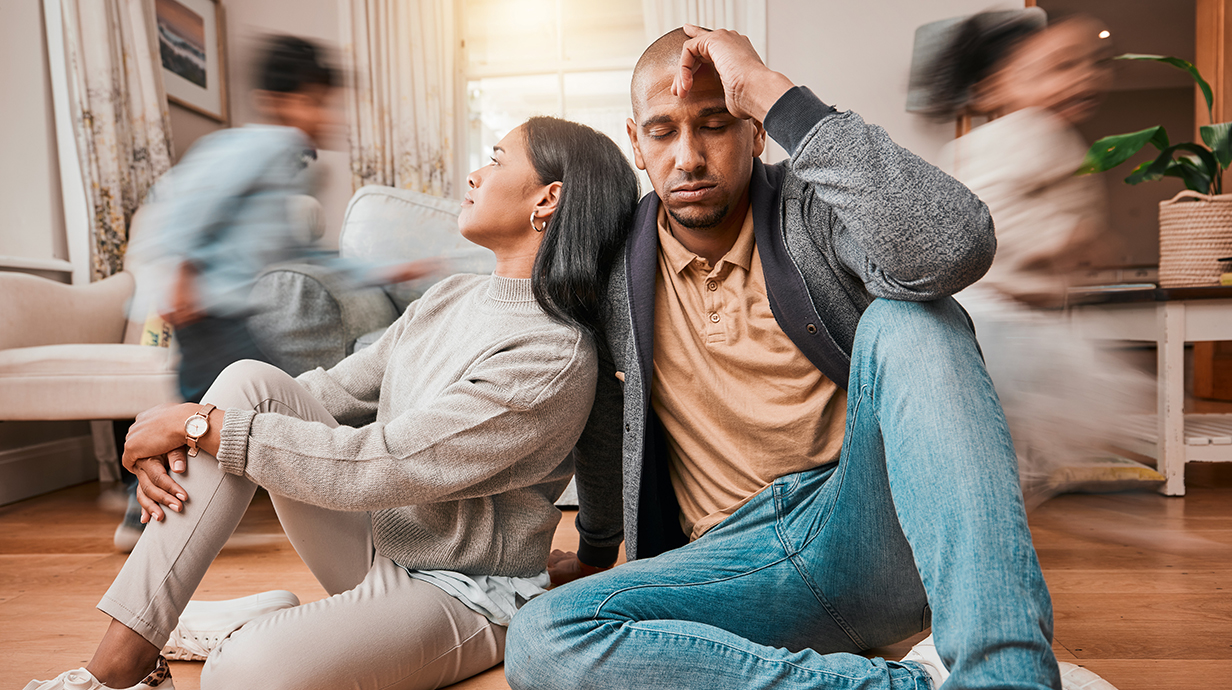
(563, 58)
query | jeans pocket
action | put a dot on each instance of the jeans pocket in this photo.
(802, 503)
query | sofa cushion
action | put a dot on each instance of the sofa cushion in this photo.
(308, 316)
(84, 381)
(387, 225)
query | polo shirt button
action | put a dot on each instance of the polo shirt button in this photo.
(628, 428)
(714, 317)
(712, 285)
(812, 328)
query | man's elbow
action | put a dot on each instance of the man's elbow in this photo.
(981, 245)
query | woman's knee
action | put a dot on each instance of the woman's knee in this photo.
(241, 384)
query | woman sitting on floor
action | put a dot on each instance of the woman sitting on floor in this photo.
(416, 478)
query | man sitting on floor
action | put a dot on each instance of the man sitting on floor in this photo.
(777, 524)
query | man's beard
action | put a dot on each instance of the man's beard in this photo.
(707, 220)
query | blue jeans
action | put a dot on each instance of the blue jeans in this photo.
(922, 518)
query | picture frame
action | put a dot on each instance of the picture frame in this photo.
(192, 49)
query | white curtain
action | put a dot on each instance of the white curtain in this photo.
(119, 116)
(401, 106)
(744, 16)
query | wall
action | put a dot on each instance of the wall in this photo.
(33, 218)
(1133, 211)
(317, 20)
(187, 127)
(32, 228)
(856, 56)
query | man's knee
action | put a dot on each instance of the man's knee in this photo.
(906, 317)
(896, 328)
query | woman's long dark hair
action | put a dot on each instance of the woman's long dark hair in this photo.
(598, 196)
(975, 50)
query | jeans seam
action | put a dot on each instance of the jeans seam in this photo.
(634, 626)
(623, 590)
(793, 552)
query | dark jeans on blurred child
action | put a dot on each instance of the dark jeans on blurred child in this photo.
(207, 347)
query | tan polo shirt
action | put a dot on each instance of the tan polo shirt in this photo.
(742, 406)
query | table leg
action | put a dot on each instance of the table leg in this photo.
(1171, 413)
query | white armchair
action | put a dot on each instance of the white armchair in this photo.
(73, 352)
(69, 352)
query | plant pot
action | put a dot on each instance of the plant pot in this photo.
(1195, 231)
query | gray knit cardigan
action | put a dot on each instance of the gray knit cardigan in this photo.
(850, 217)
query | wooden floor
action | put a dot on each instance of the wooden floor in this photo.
(1140, 583)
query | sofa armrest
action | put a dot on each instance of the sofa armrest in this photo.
(37, 311)
(308, 316)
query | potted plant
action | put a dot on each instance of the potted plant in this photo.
(1195, 226)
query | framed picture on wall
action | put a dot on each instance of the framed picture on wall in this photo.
(190, 44)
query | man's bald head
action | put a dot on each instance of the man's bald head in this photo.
(663, 54)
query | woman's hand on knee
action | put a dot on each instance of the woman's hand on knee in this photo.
(156, 488)
(156, 432)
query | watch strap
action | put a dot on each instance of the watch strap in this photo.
(189, 439)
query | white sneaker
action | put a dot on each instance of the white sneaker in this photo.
(205, 624)
(1073, 677)
(925, 654)
(125, 538)
(81, 679)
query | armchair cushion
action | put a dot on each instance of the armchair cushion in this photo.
(38, 311)
(84, 381)
(385, 224)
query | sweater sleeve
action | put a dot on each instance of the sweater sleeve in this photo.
(469, 442)
(600, 518)
(906, 229)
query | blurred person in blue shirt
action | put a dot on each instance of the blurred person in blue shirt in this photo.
(224, 213)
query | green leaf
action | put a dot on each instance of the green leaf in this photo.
(1191, 173)
(1109, 152)
(1197, 170)
(1182, 65)
(1151, 170)
(1205, 159)
(1219, 138)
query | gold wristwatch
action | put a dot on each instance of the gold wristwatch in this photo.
(195, 428)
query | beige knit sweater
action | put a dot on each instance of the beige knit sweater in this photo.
(459, 424)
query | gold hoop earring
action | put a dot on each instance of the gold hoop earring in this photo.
(532, 223)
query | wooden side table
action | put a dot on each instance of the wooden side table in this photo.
(1168, 317)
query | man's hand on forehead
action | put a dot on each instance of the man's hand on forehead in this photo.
(749, 87)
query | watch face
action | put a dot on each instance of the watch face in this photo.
(196, 426)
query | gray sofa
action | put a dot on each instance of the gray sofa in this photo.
(310, 316)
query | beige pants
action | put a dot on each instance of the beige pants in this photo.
(379, 628)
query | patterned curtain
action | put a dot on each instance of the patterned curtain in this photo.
(746, 16)
(119, 113)
(401, 106)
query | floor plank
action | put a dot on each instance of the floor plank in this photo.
(1141, 583)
